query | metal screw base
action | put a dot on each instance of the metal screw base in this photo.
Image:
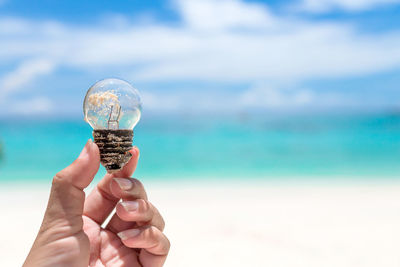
(114, 146)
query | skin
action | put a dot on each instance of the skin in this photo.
(72, 234)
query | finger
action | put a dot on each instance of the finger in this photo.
(127, 189)
(114, 253)
(130, 167)
(154, 244)
(101, 201)
(140, 211)
(82, 171)
(67, 197)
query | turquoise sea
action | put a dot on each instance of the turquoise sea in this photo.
(225, 147)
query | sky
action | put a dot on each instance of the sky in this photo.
(202, 56)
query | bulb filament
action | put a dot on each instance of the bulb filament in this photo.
(113, 122)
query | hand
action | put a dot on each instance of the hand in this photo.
(71, 233)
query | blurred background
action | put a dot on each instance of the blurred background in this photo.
(233, 91)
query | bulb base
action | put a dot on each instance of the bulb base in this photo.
(114, 146)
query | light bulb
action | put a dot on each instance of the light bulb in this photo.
(112, 107)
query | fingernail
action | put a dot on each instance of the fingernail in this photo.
(130, 205)
(85, 150)
(129, 233)
(124, 184)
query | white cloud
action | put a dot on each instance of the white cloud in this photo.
(33, 106)
(321, 6)
(223, 14)
(270, 47)
(258, 97)
(303, 52)
(268, 97)
(227, 41)
(24, 74)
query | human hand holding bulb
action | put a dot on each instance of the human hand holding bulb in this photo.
(73, 232)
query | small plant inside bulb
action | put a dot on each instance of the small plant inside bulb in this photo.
(112, 107)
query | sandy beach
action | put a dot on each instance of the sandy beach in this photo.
(246, 224)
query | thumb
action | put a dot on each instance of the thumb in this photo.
(67, 197)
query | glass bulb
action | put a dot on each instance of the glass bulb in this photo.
(112, 104)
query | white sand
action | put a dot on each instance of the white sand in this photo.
(262, 224)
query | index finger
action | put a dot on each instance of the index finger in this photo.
(100, 202)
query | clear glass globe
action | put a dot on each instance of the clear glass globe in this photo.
(112, 104)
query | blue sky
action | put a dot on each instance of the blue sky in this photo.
(202, 55)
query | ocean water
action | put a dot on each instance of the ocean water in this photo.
(241, 147)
